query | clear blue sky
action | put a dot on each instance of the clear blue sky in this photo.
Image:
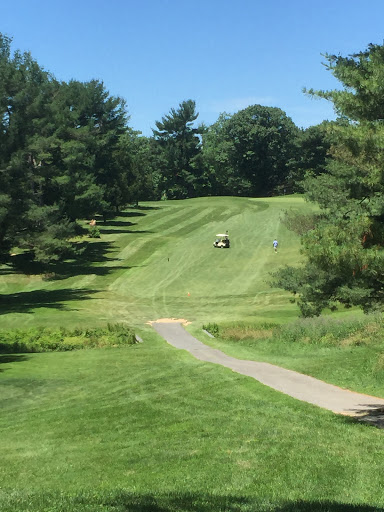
(225, 54)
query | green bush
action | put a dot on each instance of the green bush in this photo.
(43, 339)
(212, 329)
(94, 232)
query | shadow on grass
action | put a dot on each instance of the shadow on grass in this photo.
(177, 502)
(116, 223)
(369, 414)
(11, 358)
(7, 269)
(122, 224)
(94, 259)
(207, 503)
(112, 221)
(106, 231)
(27, 302)
(146, 208)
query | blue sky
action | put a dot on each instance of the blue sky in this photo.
(224, 54)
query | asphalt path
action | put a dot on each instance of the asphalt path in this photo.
(297, 385)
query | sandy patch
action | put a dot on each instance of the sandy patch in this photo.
(169, 321)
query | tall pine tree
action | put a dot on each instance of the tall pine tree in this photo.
(345, 256)
(180, 145)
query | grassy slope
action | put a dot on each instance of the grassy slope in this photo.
(128, 277)
(127, 427)
(150, 423)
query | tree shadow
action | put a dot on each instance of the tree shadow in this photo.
(145, 208)
(106, 231)
(131, 214)
(7, 269)
(23, 263)
(11, 358)
(110, 223)
(93, 259)
(117, 223)
(123, 501)
(368, 414)
(177, 502)
(27, 302)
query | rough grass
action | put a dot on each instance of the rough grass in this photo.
(348, 352)
(325, 330)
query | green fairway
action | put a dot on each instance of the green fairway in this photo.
(158, 261)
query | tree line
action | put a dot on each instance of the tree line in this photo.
(67, 152)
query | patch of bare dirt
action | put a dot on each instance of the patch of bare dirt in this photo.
(170, 321)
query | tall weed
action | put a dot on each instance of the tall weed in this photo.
(326, 330)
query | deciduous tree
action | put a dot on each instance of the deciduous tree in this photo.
(251, 150)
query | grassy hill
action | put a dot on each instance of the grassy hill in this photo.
(148, 260)
(147, 428)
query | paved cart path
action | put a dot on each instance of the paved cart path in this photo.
(297, 385)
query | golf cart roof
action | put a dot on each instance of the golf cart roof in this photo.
(222, 235)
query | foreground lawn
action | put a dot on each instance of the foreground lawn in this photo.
(149, 428)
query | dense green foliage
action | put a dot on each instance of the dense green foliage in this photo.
(345, 259)
(44, 339)
(57, 142)
(249, 153)
(311, 155)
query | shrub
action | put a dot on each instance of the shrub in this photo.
(43, 339)
(94, 232)
(212, 329)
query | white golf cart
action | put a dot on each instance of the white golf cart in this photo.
(222, 241)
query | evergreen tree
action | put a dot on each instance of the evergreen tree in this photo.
(59, 145)
(345, 258)
(25, 91)
(180, 145)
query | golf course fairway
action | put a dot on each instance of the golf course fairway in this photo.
(158, 261)
(149, 428)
